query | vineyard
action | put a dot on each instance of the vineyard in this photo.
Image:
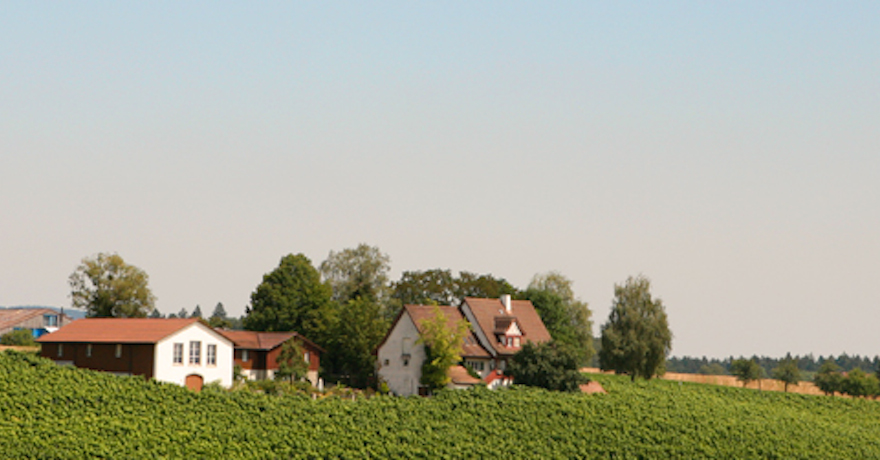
(48, 411)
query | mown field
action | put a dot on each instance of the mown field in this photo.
(48, 411)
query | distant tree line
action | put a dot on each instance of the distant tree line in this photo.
(807, 363)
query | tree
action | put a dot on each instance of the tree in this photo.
(105, 286)
(183, 313)
(829, 379)
(292, 298)
(549, 365)
(359, 272)
(197, 313)
(428, 287)
(442, 343)
(787, 372)
(219, 311)
(358, 333)
(636, 339)
(746, 370)
(566, 317)
(712, 369)
(858, 383)
(218, 317)
(291, 362)
(156, 314)
(20, 337)
(486, 286)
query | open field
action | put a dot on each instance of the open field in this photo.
(807, 388)
(48, 411)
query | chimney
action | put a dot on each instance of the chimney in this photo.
(505, 299)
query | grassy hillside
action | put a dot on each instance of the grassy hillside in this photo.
(52, 412)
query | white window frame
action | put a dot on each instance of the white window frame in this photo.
(211, 355)
(118, 350)
(88, 350)
(177, 356)
(244, 356)
(195, 353)
(60, 350)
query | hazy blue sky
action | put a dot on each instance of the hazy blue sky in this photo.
(730, 151)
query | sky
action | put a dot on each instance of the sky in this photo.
(728, 151)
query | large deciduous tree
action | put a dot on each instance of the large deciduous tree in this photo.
(440, 287)
(106, 286)
(359, 272)
(636, 339)
(293, 298)
(359, 330)
(829, 379)
(746, 370)
(566, 317)
(787, 372)
(442, 348)
(551, 365)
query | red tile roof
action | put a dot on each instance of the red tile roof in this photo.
(253, 340)
(460, 376)
(118, 330)
(420, 313)
(486, 311)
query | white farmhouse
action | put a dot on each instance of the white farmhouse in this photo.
(182, 351)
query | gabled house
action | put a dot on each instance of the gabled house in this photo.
(38, 320)
(498, 330)
(256, 353)
(182, 351)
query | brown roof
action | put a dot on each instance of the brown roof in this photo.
(118, 330)
(460, 376)
(419, 313)
(253, 340)
(487, 310)
(502, 323)
(12, 317)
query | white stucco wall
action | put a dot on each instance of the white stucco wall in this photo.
(165, 370)
(402, 380)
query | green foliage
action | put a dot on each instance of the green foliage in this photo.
(549, 365)
(197, 313)
(105, 286)
(440, 287)
(156, 314)
(291, 363)
(359, 272)
(636, 339)
(20, 337)
(442, 348)
(358, 333)
(713, 369)
(746, 370)
(293, 298)
(788, 373)
(183, 313)
(566, 318)
(857, 383)
(50, 411)
(829, 379)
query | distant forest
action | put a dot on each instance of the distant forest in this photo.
(807, 364)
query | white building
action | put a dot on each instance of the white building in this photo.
(498, 329)
(182, 351)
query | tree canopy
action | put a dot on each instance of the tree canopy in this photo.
(197, 313)
(636, 339)
(829, 379)
(441, 287)
(746, 370)
(551, 365)
(291, 362)
(360, 329)
(566, 317)
(442, 348)
(292, 298)
(787, 372)
(359, 272)
(106, 286)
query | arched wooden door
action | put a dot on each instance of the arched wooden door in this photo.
(194, 382)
